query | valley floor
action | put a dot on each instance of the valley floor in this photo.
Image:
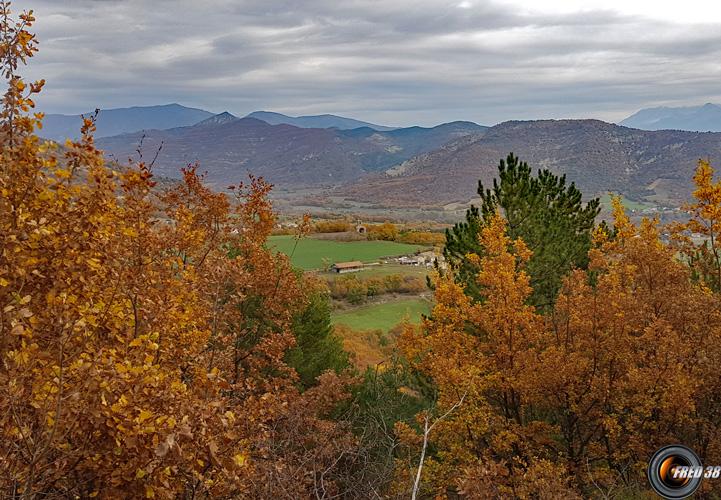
(369, 326)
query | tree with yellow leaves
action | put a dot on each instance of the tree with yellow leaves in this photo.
(143, 332)
(574, 402)
(704, 223)
(478, 353)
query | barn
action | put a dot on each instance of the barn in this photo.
(347, 267)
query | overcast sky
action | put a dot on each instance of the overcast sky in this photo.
(394, 62)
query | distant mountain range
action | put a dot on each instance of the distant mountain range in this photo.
(123, 120)
(599, 157)
(706, 118)
(117, 121)
(229, 147)
(412, 166)
(126, 120)
(315, 121)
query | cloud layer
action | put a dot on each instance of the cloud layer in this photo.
(395, 62)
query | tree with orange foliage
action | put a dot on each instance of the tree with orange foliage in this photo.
(386, 231)
(574, 402)
(477, 353)
(705, 222)
(632, 354)
(142, 333)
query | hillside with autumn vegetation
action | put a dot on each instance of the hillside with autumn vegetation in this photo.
(154, 345)
(651, 166)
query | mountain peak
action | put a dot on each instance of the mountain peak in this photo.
(219, 119)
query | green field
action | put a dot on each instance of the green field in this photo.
(310, 253)
(382, 316)
(628, 204)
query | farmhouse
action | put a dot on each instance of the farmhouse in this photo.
(409, 261)
(347, 267)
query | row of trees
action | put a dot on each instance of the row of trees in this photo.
(386, 231)
(356, 289)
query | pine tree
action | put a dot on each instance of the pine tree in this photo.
(317, 348)
(543, 211)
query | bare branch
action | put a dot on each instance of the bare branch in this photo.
(426, 433)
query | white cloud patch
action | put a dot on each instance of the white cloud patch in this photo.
(401, 62)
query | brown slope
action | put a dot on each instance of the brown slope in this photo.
(228, 151)
(288, 156)
(597, 156)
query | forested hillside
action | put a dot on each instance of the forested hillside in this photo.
(286, 155)
(416, 167)
(598, 156)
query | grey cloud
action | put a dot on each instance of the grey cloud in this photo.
(399, 62)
